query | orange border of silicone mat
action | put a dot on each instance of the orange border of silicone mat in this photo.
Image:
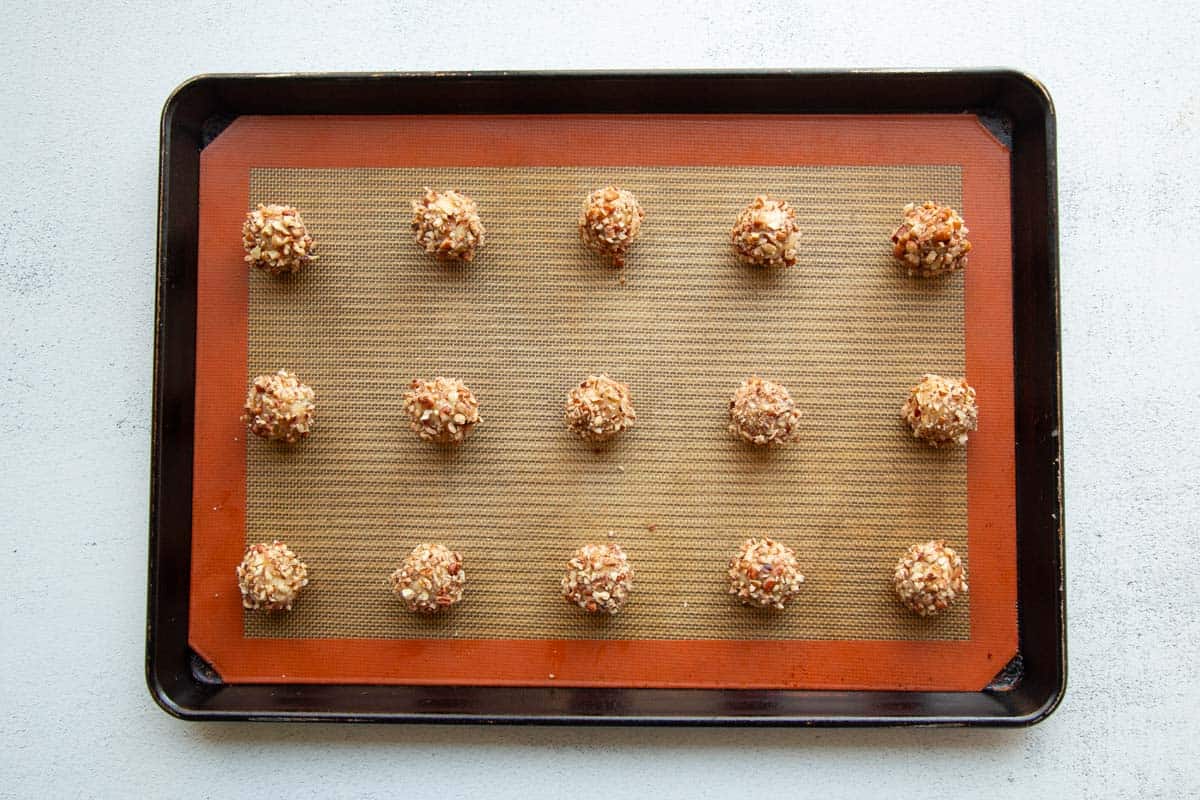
(218, 510)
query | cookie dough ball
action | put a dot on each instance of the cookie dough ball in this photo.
(766, 234)
(599, 578)
(442, 410)
(275, 239)
(931, 240)
(762, 413)
(941, 410)
(270, 577)
(447, 225)
(430, 579)
(764, 573)
(599, 408)
(279, 407)
(929, 578)
(610, 221)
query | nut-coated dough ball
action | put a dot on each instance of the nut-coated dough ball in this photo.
(276, 240)
(610, 221)
(279, 407)
(929, 578)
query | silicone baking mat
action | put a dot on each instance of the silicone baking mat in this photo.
(683, 323)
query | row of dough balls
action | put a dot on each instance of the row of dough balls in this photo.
(599, 578)
(930, 240)
(444, 410)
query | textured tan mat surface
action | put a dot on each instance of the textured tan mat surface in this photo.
(844, 330)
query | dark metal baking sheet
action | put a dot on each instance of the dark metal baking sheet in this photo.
(1014, 106)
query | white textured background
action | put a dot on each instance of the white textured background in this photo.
(81, 88)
